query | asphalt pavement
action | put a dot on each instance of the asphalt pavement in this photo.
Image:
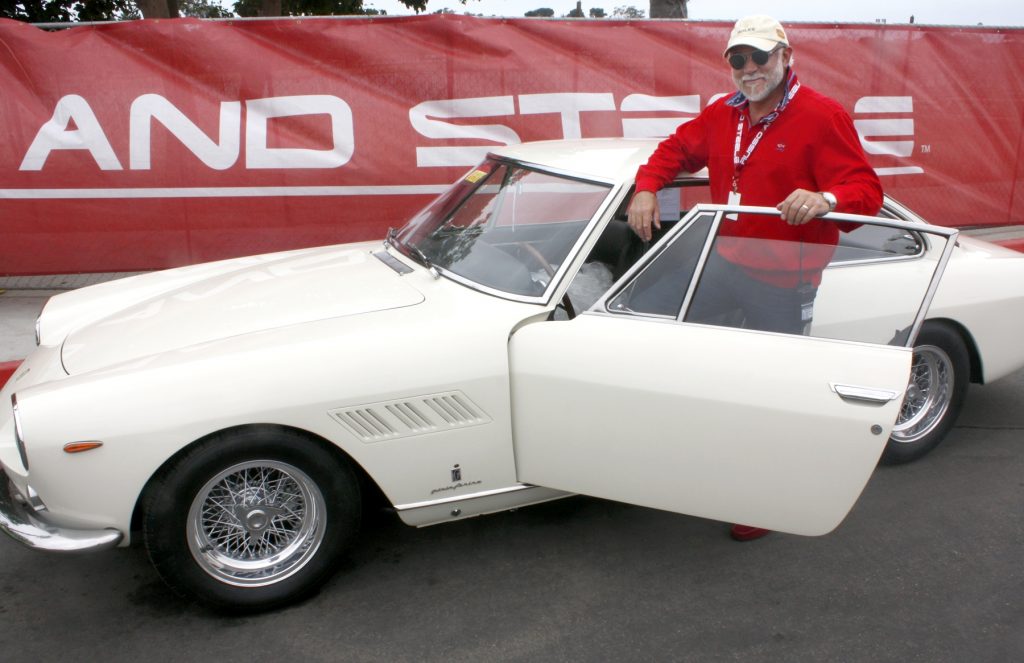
(927, 567)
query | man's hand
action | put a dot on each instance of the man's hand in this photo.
(799, 207)
(643, 213)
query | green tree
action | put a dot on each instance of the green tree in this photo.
(597, 12)
(543, 11)
(203, 9)
(628, 12)
(310, 7)
(63, 11)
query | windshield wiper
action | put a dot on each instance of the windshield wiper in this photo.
(416, 253)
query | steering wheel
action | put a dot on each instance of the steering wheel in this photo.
(535, 253)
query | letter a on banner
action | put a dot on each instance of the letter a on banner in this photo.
(54, 135)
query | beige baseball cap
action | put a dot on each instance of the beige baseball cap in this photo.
(762, 32)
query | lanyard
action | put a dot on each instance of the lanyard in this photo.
(739, 162)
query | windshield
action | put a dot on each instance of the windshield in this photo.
(503, 226)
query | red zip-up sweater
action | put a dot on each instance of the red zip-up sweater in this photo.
(811, 144)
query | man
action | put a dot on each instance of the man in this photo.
(775, 143)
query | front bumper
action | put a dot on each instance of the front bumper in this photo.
(19, 521)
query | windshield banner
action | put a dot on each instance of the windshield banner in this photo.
(151, 144)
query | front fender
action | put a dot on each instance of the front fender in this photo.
(147, 410)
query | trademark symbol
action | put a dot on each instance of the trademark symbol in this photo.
(926, 149)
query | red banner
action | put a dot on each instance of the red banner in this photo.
(152, 144)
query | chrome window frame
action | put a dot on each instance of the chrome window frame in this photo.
(600, 307)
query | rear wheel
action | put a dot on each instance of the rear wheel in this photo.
(938, 383)
(252, 519)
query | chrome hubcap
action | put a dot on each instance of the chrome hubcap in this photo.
(256, 523)
(928, 394)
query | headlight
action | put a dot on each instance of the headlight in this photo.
(18, 439)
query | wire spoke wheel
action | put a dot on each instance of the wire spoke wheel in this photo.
(928, 395)
(939, 374)
(256, 523)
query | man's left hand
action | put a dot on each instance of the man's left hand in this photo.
(801, 206)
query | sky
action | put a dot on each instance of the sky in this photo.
(928, 12)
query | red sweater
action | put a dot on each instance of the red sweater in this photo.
(811, 144)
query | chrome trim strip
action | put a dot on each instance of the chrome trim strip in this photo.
(463, 498)
(19, 438)
(933, 286)
(698, 270)
(874, 261)
(26, 528)
(393, 262)
(558, 172)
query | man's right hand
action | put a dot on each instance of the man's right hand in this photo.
(643, 213)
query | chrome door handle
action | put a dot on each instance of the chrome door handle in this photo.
(849, 392)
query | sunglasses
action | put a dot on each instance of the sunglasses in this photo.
(739, 60)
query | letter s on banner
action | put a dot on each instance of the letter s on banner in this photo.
(54, 135)
(258, 111)
(467, 155)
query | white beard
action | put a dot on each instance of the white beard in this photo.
(772, 79)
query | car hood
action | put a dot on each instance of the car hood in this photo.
(296, 289)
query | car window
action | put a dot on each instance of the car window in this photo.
(714, 271)
(661, 285)
(504, 227)
(876, 243)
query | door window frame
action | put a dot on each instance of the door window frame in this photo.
(601, 306)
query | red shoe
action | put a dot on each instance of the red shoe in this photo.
(747, 533)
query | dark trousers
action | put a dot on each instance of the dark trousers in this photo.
(726, 295)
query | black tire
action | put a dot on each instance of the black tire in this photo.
(938, 384)
(251, 519)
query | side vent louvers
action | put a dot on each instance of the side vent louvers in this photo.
(390, 420)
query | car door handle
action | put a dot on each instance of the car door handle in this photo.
(849, 392)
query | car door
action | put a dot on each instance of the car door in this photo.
(636, 400)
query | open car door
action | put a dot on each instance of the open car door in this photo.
(669, 394)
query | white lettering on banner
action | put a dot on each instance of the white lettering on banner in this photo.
(469, 155)
(880, 133)
(258, 111)
(89, 135)
(222, 192)
(657, 127)
(150, 107)
(871, 129)
(569, 105)
(54, 135)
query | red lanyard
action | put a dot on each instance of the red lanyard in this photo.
(739, 162)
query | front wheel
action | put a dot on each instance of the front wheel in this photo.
(252, 519)
(938, 383)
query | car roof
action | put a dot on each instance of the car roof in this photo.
(609, 159)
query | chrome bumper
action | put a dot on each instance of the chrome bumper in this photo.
(19, 522)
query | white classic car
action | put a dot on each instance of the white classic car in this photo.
(513, 343)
